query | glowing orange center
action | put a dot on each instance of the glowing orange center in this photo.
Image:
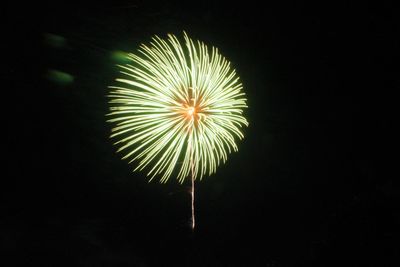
(191, 111)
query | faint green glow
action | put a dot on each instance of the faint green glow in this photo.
(120, 57)
(177, 109)
(59, 77)
(55, 40)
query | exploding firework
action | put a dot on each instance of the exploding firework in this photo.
(178, 109)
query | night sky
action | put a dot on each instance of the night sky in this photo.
(311, 185)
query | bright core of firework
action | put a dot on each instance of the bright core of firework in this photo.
(191, 111)
(177, 109)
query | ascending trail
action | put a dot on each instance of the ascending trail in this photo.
(193, 218)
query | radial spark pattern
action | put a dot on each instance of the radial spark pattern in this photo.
(178, 109)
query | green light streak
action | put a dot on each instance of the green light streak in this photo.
(55, 40)
(120, 57)
(60, 77)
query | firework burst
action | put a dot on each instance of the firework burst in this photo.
(178, 109)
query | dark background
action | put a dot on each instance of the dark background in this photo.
(311, 184)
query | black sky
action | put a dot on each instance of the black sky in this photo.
(311, 184)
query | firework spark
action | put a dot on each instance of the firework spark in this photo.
(178, 109)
